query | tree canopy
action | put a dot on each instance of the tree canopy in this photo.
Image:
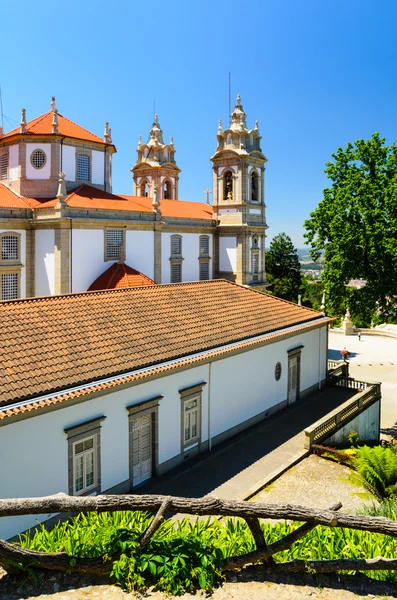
(355, 225)
(283, 268)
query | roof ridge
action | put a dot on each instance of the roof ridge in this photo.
(119, 290)
(252, 289)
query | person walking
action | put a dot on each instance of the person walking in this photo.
(359, 335)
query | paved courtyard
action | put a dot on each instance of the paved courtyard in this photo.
(372, 359)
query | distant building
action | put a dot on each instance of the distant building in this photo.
(61, 225)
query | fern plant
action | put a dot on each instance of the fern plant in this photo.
(377, 469)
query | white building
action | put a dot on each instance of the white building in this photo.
(101, 391)
(61, 225)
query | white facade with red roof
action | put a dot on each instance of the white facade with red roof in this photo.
(61, 225)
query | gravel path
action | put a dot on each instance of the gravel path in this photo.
(314, 482)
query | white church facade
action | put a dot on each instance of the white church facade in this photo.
(57, 206)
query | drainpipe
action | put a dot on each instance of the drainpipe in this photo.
(71, 256)
(209, 407)
(319, 358)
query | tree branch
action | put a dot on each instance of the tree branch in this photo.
(155, 524)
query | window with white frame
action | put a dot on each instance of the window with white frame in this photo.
(84, 464)
(9, 247)
(114, 244)
(204, 271)
(191, 402)
(9, 286)
(83, 167)
(4, 166)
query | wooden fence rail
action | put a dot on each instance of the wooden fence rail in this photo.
(163, 506)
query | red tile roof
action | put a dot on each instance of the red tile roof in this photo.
(51, 344)
(43, 126)
(9, 199)
(120, 275)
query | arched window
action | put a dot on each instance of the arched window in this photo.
(144, 188)
(167, 191)
(83, 167)
(229, 139)
(254, 186)
(4, 166)
(228, 185)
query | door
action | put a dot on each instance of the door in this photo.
(292, 379)
(142, 459)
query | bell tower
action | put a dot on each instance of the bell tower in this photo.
(156, 166)
(239, 200)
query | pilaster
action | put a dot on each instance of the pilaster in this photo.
(62, 259)
(30, 262)
(157, 253)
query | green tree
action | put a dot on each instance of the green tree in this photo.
(355, 225)
(283, 268)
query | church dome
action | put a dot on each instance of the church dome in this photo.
(120, 275)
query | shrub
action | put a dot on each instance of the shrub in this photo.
(377, 469)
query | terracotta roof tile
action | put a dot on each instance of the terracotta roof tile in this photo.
(43, 126)
(94, 335)
(120, 276)
(9, 199)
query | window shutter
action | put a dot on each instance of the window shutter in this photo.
(204, 271)
(204, 245)
(3, 166)
(254, 263)
(176, 273)
(176, 245)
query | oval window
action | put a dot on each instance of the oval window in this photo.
(38, 159)
(277, 371)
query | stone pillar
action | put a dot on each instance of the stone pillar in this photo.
(157, 253)
(347, 325)
(62, 259)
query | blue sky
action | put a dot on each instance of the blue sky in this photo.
(315, 74)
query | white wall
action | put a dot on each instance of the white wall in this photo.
(23, 257)
(190, 253)
(69, 162)
(13, 162)
(242, 386)
(88, 255)
(228, 254)
(97, 167)
(140, 251)
(44, 172)
(44, 267)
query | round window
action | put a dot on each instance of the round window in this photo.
(277, 371)
(38, 159)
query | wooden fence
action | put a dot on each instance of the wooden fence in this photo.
(164, 506)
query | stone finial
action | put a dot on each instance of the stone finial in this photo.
(156, 120)
(238, 100)
(220, 127)
(256, 124)
(171, 140)
(62, 193)
(55, 123)
(23, 121)
(140, 141)
(110, 135)
(53, 105)
(322, 307)
(347, 325)
(106, 134)
(156, 198)
(208, 192)
(299, 300)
